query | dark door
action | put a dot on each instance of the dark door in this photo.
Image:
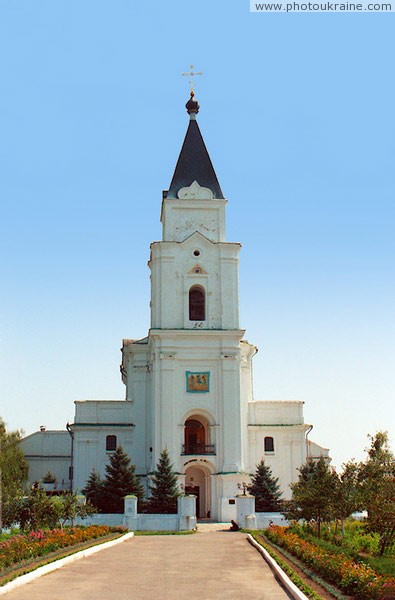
(194, 437)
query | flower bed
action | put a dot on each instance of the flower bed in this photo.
(352, 577)
(20, 547)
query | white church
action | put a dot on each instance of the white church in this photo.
(189, 382)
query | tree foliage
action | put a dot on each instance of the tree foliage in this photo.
(120, 481)
(164, 487)
(377, 480)
(379, 465)
(93, 490)
(37, 510)
(313, 494)
(381, 517)
(13, 467)
(49, 477)
(68, 507)
(266, 489)
(32, 511)
(321, 494)
(346, 497)
(107, 495)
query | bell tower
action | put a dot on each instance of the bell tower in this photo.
(193, 266)
(189, 381)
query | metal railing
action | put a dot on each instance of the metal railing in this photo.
(198, 449)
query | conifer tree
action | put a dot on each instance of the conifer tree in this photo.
(164, 487)
(313, 495)
(265, 488)
(93, 490)
(120, 481)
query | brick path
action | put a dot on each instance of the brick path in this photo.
(208, 565)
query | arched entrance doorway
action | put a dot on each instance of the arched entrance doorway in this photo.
(197, 482)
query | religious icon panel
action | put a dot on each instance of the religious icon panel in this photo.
(198, 381)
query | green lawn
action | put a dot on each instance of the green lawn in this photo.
(385, 565)
(358, 543)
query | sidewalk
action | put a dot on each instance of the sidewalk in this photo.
(209, 565)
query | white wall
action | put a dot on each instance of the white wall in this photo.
(284, 422)
(172, 267)
(184, 520)
(94, 421)
(182, 218)
(45, 451)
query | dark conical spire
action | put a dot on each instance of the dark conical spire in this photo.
(194, 162)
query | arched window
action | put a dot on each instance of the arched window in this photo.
(111, 442)
(197, 304)
(194, 437)
(269, 444)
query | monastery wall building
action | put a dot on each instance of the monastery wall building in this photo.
(189, 382)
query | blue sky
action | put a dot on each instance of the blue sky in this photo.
(297, 113)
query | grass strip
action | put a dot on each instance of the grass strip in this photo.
(260, 537)
(383, 565)
(294, 577)
(29, 566)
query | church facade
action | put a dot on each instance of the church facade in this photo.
(189, 382)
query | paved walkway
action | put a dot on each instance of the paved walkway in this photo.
(211, 565)
(209, 526)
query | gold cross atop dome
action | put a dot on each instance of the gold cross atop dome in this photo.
(191, 75)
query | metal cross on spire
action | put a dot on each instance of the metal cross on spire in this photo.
(191, 75)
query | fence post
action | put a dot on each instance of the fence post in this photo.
(130, 519)
(186, 509)
(245, 511)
